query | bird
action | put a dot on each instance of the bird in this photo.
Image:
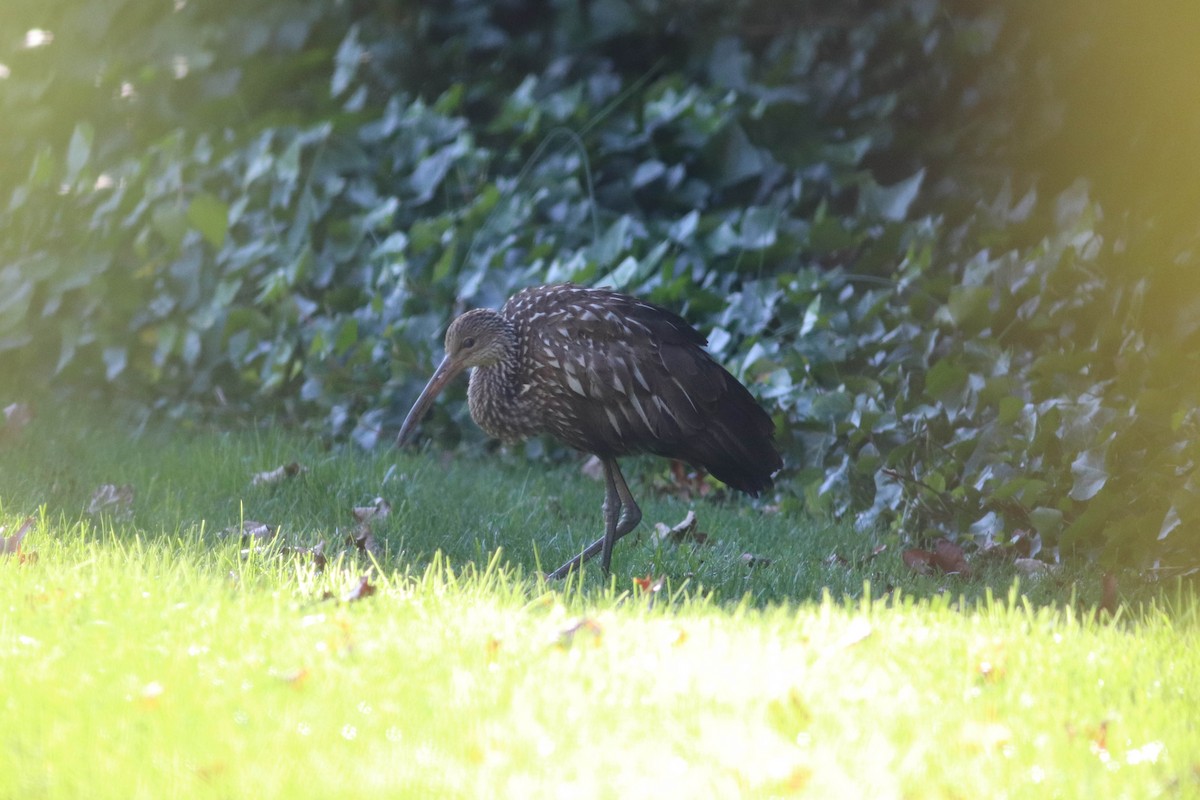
(608, 374)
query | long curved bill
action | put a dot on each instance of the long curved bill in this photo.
(441, 376)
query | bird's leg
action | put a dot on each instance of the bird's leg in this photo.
(631, 515)
(621, 515)
(613, 513)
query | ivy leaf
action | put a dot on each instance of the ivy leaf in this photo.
(890, 202)
(349, 56)
(647, 172)
(79, 151)
(740, 160)
(114, 362)
(1090, 474)
(968, 305)
(945, 380)
(428, 175)
(347, 337)
(1170, 522)
(682, 230)
(1046, 521)
(210, 216)
(758, 229)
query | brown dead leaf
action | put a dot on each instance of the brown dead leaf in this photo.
(278, 475)
(363, 589)
(1098, 737)
(112, 499)
(1034, 567)
(364, 542)
(583, 625)
(363, 537)
(949, 557)
(797, 780)
(379, 509)
(684, 483)
(751, 560)
(919, 561)
(838, 559)
(493, 647)
(11, 545)
(683, 531)
(593, 468)
(316, 553)
(989, 658)
(648, 584)
(986, 736)
(151, 694)
(252, 531)
(1108, 594)
(1025, 544)
(294, 677)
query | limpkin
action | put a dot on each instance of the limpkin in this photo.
(606, 374)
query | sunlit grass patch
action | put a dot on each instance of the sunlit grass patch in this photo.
(147, 655)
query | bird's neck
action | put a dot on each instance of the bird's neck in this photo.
(494, 395)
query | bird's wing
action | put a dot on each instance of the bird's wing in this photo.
(618, 375)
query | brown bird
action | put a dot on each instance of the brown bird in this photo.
(607, 374)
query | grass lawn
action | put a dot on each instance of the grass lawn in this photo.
(143, 655)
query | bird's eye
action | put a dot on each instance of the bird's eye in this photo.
(468, 342)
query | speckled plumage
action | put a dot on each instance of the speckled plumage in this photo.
(607, 374)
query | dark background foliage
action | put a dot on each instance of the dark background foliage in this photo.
(952, 246)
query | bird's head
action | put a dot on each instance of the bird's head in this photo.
(479, 338)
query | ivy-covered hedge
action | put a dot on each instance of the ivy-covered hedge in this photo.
(875, 212)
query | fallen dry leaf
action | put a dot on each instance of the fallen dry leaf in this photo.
(919, 561)
(989, 658)
(363, 537)
(151, 694)
(363, 589)
(278, 475)
(1025, 544)
(648, 584)
(11, 545)
(875, 552)
(316, 553)
(364, 542)
(751, 560)
(986, 736)
(113, 499)
(1034, 567)
(566, 636)
(379, 509)
(949, 557)
(593, 468)
(295, 677)
(684, 483)
(1108, 594)
(252, 531)
(946, 557)
(857, 630)
(684, 531)
(1097, 738)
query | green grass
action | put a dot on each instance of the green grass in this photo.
(148, 658)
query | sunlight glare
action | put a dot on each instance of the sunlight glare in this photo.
(36, 37)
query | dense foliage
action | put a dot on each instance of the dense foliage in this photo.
(967, 291)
